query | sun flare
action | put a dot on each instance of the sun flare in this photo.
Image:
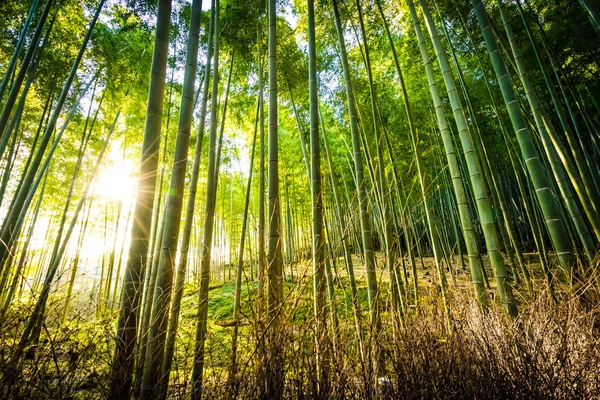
(117, 180)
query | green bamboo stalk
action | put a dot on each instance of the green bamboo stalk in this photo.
(477, 178)
(381, 192)
(323, 351)
(300, 134)
(431, 221)
(13, 221)
(123, 360)
(330, 259)
(10, 69)
(152, 377)
(189, 218)
(594, 19)
(37, 315)
(20, 77)
(111, 259)
(516, 164)
(513, 244)
(404, 223)
(119, 262)
(364, 215)
(343, 228)
(262, 266)
(274, 257)
(15, 120)
(240, 261)
(544, 130)
(591, 196)
(211, 194)
(18, 272)
(550, 209)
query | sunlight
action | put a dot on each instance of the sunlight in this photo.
(117, 181)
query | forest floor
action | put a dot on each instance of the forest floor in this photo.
(550, 351)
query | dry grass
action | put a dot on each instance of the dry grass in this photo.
(552, 350)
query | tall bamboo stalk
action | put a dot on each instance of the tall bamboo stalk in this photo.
(152, 378)
(211, 194)
(20, 77)
(274, 256)
(323, 351)
(10, 69)
(544, 193)
(430, 218)
(477, 178)
(364, 215)
(344, 233)
(189, 218)
(37, 315)
(240, 261)
(544, 127)
(123, 360)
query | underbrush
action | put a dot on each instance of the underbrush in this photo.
(552, 350)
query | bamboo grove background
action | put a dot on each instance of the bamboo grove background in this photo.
(322, 199)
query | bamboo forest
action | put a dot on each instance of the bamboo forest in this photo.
(289, 199)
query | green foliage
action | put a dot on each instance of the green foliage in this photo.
(120, 52)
